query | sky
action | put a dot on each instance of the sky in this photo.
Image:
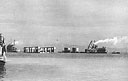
(62, 22)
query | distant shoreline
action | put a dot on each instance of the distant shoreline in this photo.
(62, 55)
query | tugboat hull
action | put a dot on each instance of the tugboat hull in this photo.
(2, 63)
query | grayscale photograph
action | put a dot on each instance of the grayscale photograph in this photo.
(63, 40)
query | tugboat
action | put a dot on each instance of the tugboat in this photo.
(2, 62)
(114, 52)
(2, 57)
(2, 51)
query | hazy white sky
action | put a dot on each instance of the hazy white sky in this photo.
(43, 22)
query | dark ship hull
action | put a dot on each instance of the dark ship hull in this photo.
(2, 62)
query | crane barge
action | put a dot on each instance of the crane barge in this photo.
(93, 48)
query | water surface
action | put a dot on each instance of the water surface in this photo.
(90, 68)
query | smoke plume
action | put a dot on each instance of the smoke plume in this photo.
(19, 42)
(114, 40)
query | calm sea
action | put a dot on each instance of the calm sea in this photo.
(88, 68)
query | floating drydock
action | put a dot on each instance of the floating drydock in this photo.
(37, 49)
(69, 50)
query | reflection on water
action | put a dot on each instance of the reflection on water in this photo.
(2, 72)
(2, 69)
